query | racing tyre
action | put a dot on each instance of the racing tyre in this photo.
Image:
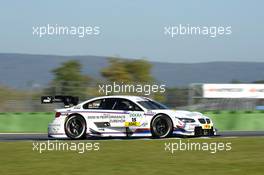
(161, 126)
(75, 127)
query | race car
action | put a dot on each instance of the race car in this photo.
(126, 116)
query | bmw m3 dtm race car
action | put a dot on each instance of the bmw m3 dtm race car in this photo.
(125, 116)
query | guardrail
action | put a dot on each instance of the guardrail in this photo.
(223, 120)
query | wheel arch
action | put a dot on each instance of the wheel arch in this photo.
(72, 114)
(172, 121)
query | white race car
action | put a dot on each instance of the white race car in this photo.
(127, 116)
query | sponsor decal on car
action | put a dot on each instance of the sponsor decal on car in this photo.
(127, 124)
(135, 115)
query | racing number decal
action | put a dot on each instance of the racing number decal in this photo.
(132, 120)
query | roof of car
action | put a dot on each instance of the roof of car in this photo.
(130, 97)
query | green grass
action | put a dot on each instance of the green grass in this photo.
(25, 122)
(132, 157)
(240, 120)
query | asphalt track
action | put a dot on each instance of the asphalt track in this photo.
(43, 137)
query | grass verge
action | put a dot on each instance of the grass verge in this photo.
(238, 121)
(131, 157)
(25, 122)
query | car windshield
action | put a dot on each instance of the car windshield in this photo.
(149, 104)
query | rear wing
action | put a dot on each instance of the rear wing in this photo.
(66, 100)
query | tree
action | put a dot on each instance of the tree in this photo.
(128, 71)
(116, 71)
(69, 80)
(140, 71)
(136, 72)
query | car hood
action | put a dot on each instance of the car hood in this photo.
(179, 113)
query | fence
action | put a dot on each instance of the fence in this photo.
(177, 98)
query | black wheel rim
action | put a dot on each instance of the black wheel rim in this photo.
(75, 127)
(161, 127)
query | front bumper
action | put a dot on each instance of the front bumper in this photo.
(199, 131)
(196, 131)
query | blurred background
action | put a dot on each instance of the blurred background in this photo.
(132, 48)
(22, 86)
(222, 90)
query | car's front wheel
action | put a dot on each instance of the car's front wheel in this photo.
(161, 126)
(75, 127)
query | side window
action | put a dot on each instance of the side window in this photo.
(123, 104)
(110, 103)
(97, 104)
(105, 104)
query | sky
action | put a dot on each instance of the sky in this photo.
(135, 29)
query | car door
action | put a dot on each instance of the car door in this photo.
(102, 113)
(95, 111)
(134, 115)
(116, 117)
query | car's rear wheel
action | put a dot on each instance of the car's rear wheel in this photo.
(161, 126)
(75, 127)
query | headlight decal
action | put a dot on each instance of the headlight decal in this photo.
(187, 120)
